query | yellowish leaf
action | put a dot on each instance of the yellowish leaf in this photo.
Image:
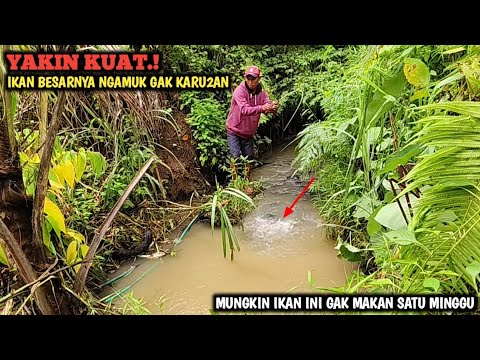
(23, 158)
(58, 191)
(75, 235)
(416, 72)
(54, 215)
(56, 179)
(56, 186)
(67, 170)
(3, 256)
(72, 253)
(84, 250)
(35, 159)
(76, 268)
(58, 168)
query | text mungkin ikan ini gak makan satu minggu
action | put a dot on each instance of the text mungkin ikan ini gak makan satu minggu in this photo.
(281, 302)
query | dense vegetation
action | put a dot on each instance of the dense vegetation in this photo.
(390, 133)
(396, 164)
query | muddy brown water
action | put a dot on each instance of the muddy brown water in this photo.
(275, 254)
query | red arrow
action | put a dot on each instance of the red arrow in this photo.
(289, 210)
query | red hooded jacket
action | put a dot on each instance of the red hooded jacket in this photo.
(245, 110)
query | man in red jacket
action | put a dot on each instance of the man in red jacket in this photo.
(249, 101)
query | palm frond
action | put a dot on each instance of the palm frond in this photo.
(446, 218)
(453, 217)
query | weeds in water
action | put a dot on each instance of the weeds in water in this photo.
(133, 306)
(221, 202)
(161, 303)
(238, 207)
(230, 204)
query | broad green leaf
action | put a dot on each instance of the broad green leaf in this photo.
(473, 270)
(373, 226)
(365, 206)
(3, 256)
(80, 164)
(47, 239)
(391, 216)
(378, 106)
(57, 146)
(390, 98)
(431, 283)
(29, 175)
(54, 216)
(447, 216)
(385, 144)
(372, 135)
(389, 197)
(401, 237)
(416, 72)
(420, 94)
(98, 162)
(71, 253)
(388, 186)
(351, 253)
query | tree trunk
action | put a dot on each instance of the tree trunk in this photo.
(16, 211)
(42, 179)
(15, 229)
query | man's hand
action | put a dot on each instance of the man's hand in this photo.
(275, 106)
(267, 108)
(270, 108)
